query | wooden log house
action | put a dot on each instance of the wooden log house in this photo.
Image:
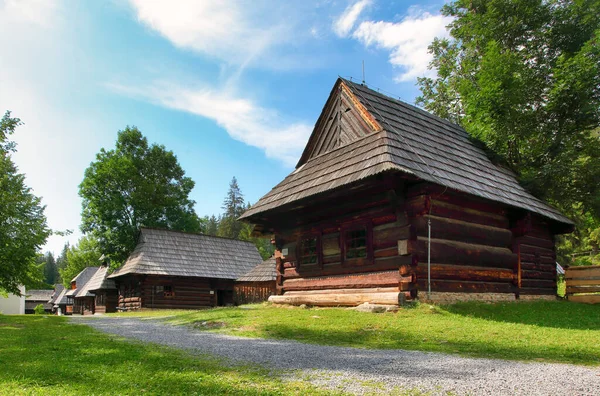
(79, 300)
(257, 285)
(382, 189)
(172, 269)
(33, 298)
(100, 293)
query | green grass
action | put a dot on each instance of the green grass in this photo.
(553, 331)
(47, 355)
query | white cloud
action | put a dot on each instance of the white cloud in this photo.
(223, 29)
(345, 22)
(243, 119)
(38, 12)
(406, 40)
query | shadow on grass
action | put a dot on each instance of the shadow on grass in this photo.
(554, 314)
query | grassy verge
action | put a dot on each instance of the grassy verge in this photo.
(46, 355)
(555, 331)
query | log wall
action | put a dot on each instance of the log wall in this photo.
(253, 292)
(470, 242)
(106, 301)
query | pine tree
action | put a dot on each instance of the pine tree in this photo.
(234, 207)
(50, 269)
(62, 262)
(212, 225)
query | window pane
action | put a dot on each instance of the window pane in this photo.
(308, 251)
(356, 243)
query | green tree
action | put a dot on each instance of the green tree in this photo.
(212, 225)
(23, 228)
(134, 185)
(523, 76)
(61, 261)
(234, 207)
(86, 253)
(50, 269)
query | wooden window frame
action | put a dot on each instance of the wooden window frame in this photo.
(168, 294)
(344, 229)
(319, 251)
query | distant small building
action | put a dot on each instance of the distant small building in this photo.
(257, 285)
(102, 290)
(33, 298)
(172, 269)
(79, 300)
(56, 293)
(13, 304)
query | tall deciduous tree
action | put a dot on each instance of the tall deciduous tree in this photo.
(523, 76)
(23, 228)
(134, 185)
(86, 253)
(234, 207)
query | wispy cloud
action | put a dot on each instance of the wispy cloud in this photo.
(344, 23)
(243, 119)
(226, 30)
(406, 40)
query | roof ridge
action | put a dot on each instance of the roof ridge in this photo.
(194, 234)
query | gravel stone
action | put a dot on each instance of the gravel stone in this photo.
(364, 371)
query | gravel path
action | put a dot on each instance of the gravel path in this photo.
(367, 371)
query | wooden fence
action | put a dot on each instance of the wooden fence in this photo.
(252, 292)
(583, 284)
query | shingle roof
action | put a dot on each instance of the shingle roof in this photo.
(263, 272)
(80, 281)
(414, 142)
(58, 289)
(38, 295)
(62, 298)
(174, 253)
(100, 281)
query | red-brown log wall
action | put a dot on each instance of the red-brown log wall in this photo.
(253, 292)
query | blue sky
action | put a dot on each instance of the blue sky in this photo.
(232, 87)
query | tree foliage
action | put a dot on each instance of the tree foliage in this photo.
(134, 185)
(86, 253)
(23, 228)
(234, 207)
(523, 76)
(50, 269)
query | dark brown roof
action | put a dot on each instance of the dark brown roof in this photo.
(174, 253)
(411, 141)
(263, 272)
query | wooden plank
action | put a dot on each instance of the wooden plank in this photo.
(583, 289)
(466, 287)
(389, 236)
(581, 282)
(539, 242)
(343, 291)
(539, 283)
(467, 273)
(528, 249)
(453, 252)
(586, 298)
(582, 274)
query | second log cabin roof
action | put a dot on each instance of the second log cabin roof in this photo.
(377, 134)
(175, 253)
(264, 272)
(80, 281)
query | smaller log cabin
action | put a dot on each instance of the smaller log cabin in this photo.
(33, 298)
(173, 269)
(257, 285)
(100, 293)
(60, 301)
(56, 294)
(79, 300)
(389, 202)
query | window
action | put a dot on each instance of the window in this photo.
(168, 291)
(308, 251)
(100, 299)
(356, 243)
(69, 300)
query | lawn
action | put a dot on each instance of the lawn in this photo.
(552, 331)
(47, 355)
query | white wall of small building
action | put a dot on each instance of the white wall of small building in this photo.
(12, 304)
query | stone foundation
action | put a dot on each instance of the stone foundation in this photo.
(532, 297)
(451, 298)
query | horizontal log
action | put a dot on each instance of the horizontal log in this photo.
(582, 274)
(583, 289)
(339, 299)
(542, 259)
(443, 194)
(466, 273)
(463, 231)
(380, 264)
(389, 252)
(528, 274)
(537, 291)
(538, 283)
(367, 280)
(388, 237)
(343, 291)
(589, 298)
(466, 287)
(538, 242)
(549, 268)
(419, 206)
(528, 249)
(453, 252)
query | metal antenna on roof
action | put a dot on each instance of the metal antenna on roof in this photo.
(363, 68)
